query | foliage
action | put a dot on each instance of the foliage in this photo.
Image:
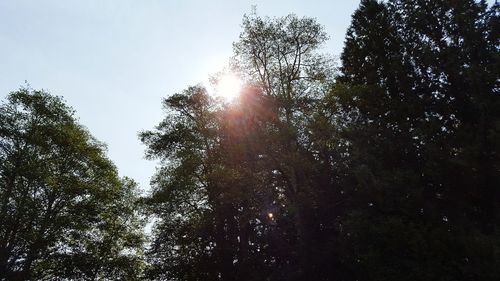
(64, 212)
(385, 170)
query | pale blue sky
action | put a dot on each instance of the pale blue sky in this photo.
(113, 61)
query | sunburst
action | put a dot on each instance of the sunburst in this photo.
(228, 86)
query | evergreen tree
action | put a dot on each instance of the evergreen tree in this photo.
(427, 206)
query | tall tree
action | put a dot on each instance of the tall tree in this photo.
(282, 57)
(249, 159)
(63, 210)
(423, 80)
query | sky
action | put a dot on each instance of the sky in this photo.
(114, 61)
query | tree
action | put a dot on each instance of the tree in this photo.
(422, 90)
(281, 56)
(63, 209)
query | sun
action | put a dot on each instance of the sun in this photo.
(228, 86)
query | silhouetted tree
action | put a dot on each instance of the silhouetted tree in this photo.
(422, 89)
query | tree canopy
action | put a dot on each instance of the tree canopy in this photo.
(64, 211)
